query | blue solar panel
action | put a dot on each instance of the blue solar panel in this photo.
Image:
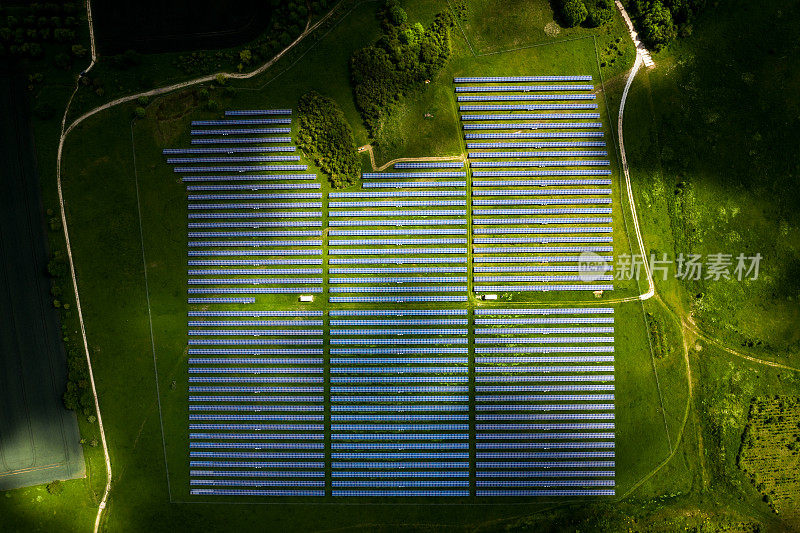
(402, 322)
(411, 213)
(396, 331)
(399, 408)
(401, 184)
(392, 360)
(241, 121)
(400, 379)
(399, 341)
(523, 173)
(255, 332)
(248, 112)
(539, 163)
(242, 140)
(282, 214)
(394, 194)
(530, 116)
(233, 323)
(394, 242)
(540, 288)
(247, 196)
(250, 177)
(245, 168)
(396, 312)
(540, 201)
(399, 474)
(420, 279)
(255, 262)
(519, 79)
(549, 320)
(273, 233)
(528, 493)
(537, 240)
(394, 260)
(258, 473)
(228, 150)
(543, 369)
(412, 175)
(521, 97)
(289, 205)
(257, 455)
(257, 290)
(233, 159)
(534, 135)
(563, 153)
(563, 229)
(391, 251)
(523, 107)
(400, 203)
(255, 379)
(222, 300)
(401, 369)
(256, 244)
(539, 192)
(239, 272)
(512, 88)
(531, 125)
(544, 144)
(430, 164)
(402, 484)
(257, 427)
(400, 493)
(249, 492)
(404, 232)
(292, 313)
(240, 131)
(540, 183)
(400, 222)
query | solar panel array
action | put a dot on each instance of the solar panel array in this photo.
(387, 394)
(258, 417)
(509, 212)
(435, 206)
(427, 395)
(559, 409)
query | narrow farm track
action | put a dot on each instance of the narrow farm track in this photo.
(368, 148)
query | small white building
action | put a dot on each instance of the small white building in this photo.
(306, 298)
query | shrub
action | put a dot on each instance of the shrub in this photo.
(140, 112)
(326, 137)
(55, 488)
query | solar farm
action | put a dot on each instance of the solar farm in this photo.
(406, 366)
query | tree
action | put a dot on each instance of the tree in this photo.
(397, 15)
(245, 56)
(657, 25)
(140, 112)
(600, 13)
(221, 80)
(573, 12)
(78, 50)
(55, 488)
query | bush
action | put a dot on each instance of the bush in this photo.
(140, 112)
(78, 50)
(55, 488)
(326, 137)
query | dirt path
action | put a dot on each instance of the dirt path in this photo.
(368, 148)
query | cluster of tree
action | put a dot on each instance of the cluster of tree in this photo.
(28, 31)
(325, 136)
(78, 396)
(590, 13)
(660, 21)
(402, 59)
(289, 21)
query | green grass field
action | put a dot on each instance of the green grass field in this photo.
(677, 437)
